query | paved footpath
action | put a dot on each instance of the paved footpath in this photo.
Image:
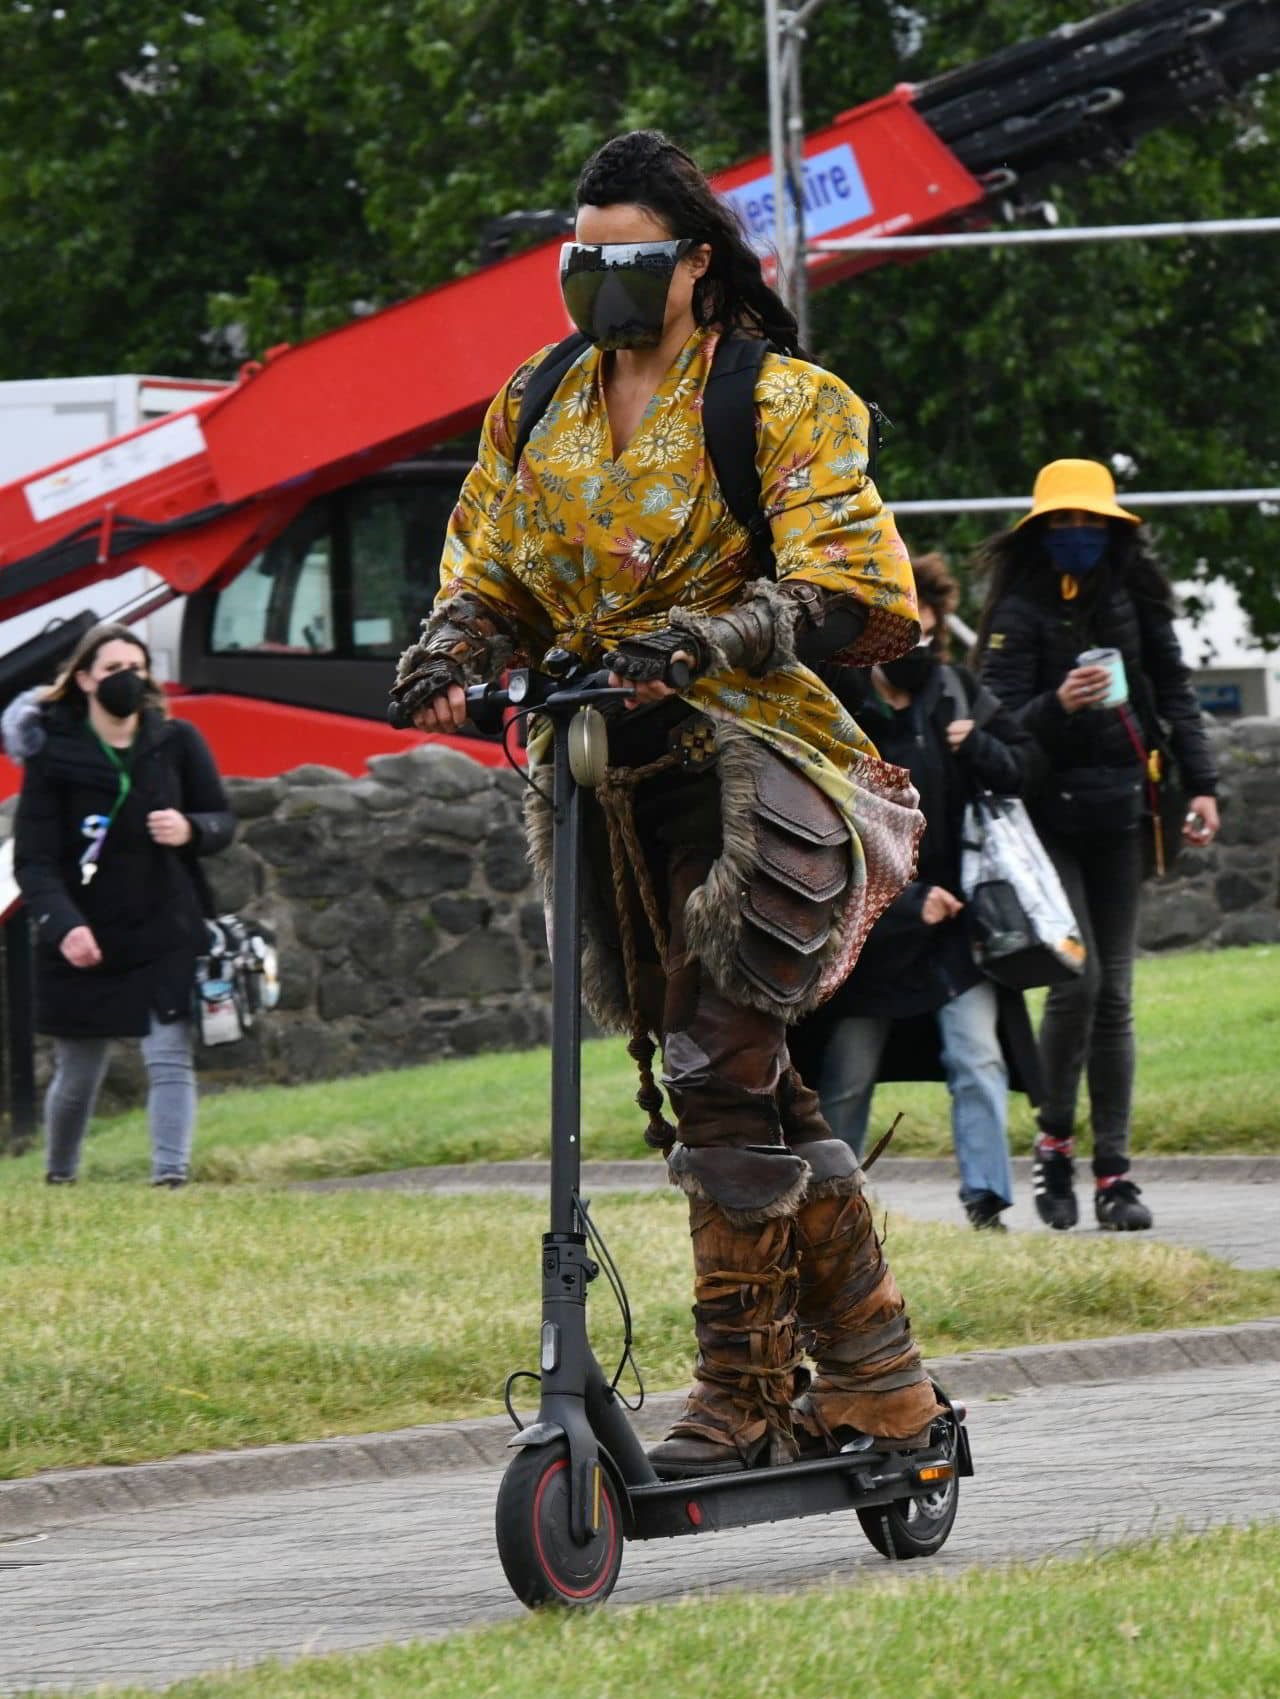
(1229, 1205)
(151, 1596)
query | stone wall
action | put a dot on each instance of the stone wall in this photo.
(410, 927)
(1228, 893)
(405, 911)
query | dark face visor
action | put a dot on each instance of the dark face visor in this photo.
(616, 292)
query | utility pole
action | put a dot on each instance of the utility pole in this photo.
(784, 42)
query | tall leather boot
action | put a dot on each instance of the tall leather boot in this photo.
(738, 1412)
(870, 1377)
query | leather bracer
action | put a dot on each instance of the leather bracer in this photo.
(774, 626)
(462, 642)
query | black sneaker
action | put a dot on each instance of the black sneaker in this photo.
(1052, 1188)
(1118, 1209)
(59, 1179)
(983, 1211)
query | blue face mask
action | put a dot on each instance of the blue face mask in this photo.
(1076, 549)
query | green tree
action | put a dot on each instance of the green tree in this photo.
(276, 165)
(1164, 353)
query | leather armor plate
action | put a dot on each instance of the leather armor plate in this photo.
(795, 803)
(802, 869)
(789, 916)
(818, 871)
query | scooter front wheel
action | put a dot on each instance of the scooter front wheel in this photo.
(543, 1562)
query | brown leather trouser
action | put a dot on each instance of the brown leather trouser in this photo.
(750, 1132)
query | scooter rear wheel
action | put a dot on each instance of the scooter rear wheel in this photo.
(543, 1562)
(919, 1526)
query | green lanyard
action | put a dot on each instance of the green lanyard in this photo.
(122, 775)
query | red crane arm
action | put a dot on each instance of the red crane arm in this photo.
(195, 496)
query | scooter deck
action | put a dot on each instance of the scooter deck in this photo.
(814, 1487)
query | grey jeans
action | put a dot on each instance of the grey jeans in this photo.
(79, 1067)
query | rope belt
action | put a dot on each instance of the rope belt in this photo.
(616, 794)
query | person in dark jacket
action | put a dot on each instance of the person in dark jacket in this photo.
(117, 803)
(1074, 576)
(916, 1005)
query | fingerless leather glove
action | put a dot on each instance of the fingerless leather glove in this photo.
(462, 642)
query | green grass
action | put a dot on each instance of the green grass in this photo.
(1194, 1616)
(1208, 1081)
(142, 1324)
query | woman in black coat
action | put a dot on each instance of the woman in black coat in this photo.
(916, 1006)
(1074, 576)
(117, 803)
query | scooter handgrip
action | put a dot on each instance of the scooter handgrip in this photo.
(397, 717)
(679, 674)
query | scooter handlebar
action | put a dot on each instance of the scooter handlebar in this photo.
(528, 688)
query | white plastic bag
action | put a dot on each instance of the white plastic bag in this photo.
(1022, 928)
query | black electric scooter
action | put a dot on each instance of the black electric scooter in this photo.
(580, 1483)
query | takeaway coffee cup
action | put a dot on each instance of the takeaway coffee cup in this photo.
(1113, 661)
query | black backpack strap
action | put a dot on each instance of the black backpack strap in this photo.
(954, 692)
(729, 424)
(984, 706)
(876, 421)
(543, 382)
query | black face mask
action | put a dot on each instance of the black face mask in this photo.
(616, 292)
(911, 672)
(120, 694)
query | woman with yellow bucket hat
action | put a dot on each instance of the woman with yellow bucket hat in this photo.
(1077, 637)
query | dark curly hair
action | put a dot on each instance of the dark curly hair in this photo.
(644, 168)
(936, 587)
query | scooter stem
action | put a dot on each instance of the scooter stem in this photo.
(566, 990)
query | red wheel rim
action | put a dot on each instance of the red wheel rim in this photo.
(547, 1568)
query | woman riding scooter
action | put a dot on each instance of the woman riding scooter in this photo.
(756, 837)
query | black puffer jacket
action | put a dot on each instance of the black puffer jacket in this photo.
(1033, 635)
(146, 903)
(908, 970)
(907, 967)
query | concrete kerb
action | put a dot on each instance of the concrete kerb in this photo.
(56, 1499)
(650, 1174)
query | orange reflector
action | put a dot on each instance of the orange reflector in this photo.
(935, 1472)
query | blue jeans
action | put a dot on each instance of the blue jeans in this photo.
(976, 1077)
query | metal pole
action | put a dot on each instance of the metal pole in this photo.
(776, 143)
(799, 265)
(1138, 498)
(784, 43)
(1032, 238)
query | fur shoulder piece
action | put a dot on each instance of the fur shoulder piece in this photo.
(22, 726)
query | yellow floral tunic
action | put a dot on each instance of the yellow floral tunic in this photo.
(583, 548)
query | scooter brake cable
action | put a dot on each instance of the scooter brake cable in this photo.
(517, 716)
(614, 1278)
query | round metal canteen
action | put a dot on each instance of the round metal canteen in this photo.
(588, 747)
